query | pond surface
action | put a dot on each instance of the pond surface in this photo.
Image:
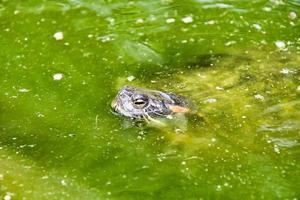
(62, 63)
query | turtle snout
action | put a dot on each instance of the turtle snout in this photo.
(113, 104)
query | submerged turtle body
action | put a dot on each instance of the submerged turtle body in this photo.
(139, 103)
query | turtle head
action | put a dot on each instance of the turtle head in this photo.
(141, 103)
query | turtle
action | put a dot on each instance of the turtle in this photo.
(148, 105)
(169, 112)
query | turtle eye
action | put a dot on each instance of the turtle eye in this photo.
(140, 101)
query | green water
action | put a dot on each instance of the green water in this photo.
(237, 61)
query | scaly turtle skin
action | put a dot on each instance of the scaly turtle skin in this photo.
(139, 103)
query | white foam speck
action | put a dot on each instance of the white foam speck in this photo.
(292, 15)
(211, 100)
(259, 97)
(58, 76)
(184, 41)
(178, 130)
(267, 9)
(1, 177)
(280, 44)
(63, 182)
(298, 88)
(219, 188)
(139, 21)
(8, 196)
(130, 78)
(226, 184)
(105, 38)
(276, 149)
(58, 35)
(170, 20)
(187, 19)
(229, 43)
(16, 12)
(210, 22)
(257, 26)
(219, 88)
(152, 18)
(171, 117)
(217, 5)
(277, 2)
(40, 114)
(285, 71)
(23, 90)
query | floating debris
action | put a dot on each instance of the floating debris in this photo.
(187, 19)
(58, 76)
(280, 44)
(170, 20)
(259, 97)
(1, 177)
(292, 15)
(130, 78)
(58, 35)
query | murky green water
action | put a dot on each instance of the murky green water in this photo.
(238, 62)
